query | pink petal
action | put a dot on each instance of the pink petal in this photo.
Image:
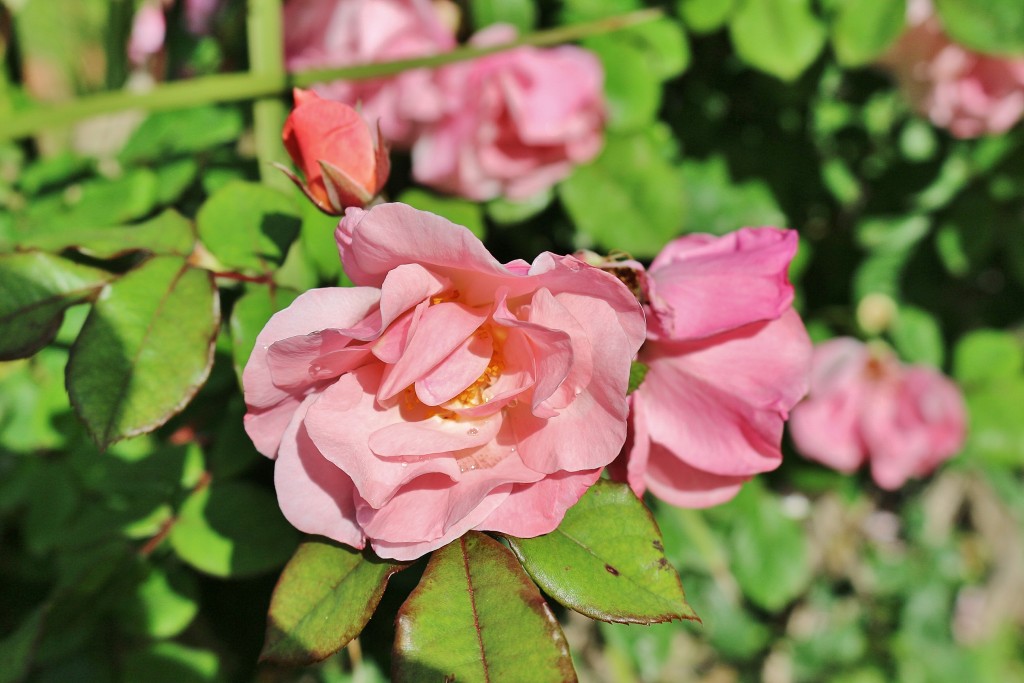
(433, 436)
(676, 483)
(455, 373)
(704, 285)
(538, 508)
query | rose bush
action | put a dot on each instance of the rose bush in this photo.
(447, 392)
(335, 33)
(968, 93)
(515, 123)
(727, 359)
(333, 147)
(864, 404)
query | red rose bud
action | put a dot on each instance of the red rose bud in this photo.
(336, 151)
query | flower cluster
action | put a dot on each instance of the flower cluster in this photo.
(510, 124)
(865, 405)
(968, 93)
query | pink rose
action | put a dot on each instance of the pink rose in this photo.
(447, 392)
(864, 404)
(516, 123)
(968, 93)
(333, 147)
(199, 15)
(727, 359)
(333, 33)
(149, 29)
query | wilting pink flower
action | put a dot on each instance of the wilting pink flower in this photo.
(446, 392)
(968, 93)
(334, 33)
(149, 29)
(727, 359)
(333, 147)
(516, 121)
(865, 405)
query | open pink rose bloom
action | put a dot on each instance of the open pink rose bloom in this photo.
(865, 405)
(727, 359)
(968, 93)
(446, 392)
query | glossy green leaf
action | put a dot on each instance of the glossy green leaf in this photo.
(519, 13)
(704, 16)
(317, 240)
(326, 594)
(93, 203)
(249, 226)
(476, 616)
(606, 560)
(168, 233)
(769, 554)
(249, 316)
(459, 211)
(863, 29)
(232, 529)
(182, 132)
(918, 337)
(55, 170)
(163, 603)
(988, 26)
(35, 290)
(145, 349)
(173, 178)
(623, 199)
(779, 37)
(987, 355)
(16, 648)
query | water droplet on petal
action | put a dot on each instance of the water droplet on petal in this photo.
(578, 391)
(513, 403)
(472, 467)
(405, 464)
(473, 431)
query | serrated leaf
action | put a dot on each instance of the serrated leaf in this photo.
(988, 26)
(863, 29)
(181, 132)
(168, 233)
(249, 316)
(145, 349)
(621, 200)
(326, 594)
(249, 226)
(476, 616)
(779, 37)
(606, 560)
(35, 290)
(232, 529)
(92, 203)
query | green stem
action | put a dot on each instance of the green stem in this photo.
(266, 57)
(246, 86)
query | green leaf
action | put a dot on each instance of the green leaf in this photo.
(35, 290)
(863, 29)
(459, 211)
(476, 616)
(632, 91)
(250, 315)
(768, 549)
(182, 132)
(662, 42)
(717, 204)
(779, 37)
(163, 603)
(988, 26)
(59, 169)
(918, 337)
(578, 11)
(170, 662)
(606, 560)
(93, 203)
(520, 13)
(986, 356)
(704, 16)
(892, 234)
(232, 529)
(317, 240)
(623, 200)
(248, 226)
(507, 212)
(168, 233)
(16, 648)
(145, 349)
(326, 594)
(173, 178)
(637, 373)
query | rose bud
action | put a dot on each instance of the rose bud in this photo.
(344, 163)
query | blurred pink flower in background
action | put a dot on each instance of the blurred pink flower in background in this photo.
(865, 405)
(515, 123)
(446, 392)
(727, 358)
(199, 15)
(968, 93)
(149, 30)
(336, 33)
